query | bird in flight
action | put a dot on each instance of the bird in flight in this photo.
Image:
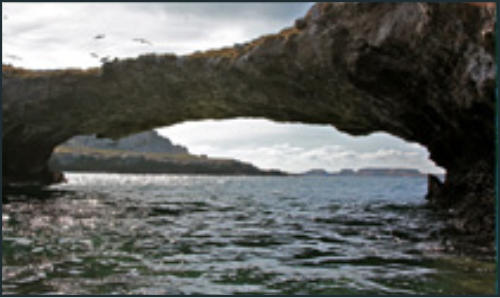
(99, 36)
(143, 41)
(94, 55)
(14, 57)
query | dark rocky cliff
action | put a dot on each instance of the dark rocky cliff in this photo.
(422, 71)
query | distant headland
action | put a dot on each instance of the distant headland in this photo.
(146, 152)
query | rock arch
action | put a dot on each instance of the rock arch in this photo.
(423, 72)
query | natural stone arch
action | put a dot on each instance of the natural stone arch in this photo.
(423, 72)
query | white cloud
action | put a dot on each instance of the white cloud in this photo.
(333, 158)
(55, 35)
(230, 132)
(297, 147)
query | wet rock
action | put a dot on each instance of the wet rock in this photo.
(434, 186)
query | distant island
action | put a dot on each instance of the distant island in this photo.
(146, 152)
(389, 172)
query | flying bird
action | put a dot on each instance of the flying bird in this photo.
(142, 40)
(14, 57)
(94, 55)
(99, 36)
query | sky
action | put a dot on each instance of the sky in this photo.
(79, 35)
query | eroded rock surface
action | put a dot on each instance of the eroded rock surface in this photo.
(423, 72)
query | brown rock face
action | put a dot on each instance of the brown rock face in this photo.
(423, 72)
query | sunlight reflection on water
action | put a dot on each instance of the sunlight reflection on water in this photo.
(162, 234)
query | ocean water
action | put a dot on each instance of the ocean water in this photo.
(187, 234)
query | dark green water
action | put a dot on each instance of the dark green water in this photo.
(160, 234)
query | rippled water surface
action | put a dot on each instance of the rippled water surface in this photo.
(164, 234)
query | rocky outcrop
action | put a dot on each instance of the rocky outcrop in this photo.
(146, 152)
(126, 162)
(422, 71)
(434, 186)
(145, 142)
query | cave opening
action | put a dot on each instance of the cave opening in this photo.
(320, 162)
(287, 148)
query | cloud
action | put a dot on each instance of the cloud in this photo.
(388, 154)
(297, 147)
(229, 11)
(330, 157)
(242, 131)
(54, 35)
